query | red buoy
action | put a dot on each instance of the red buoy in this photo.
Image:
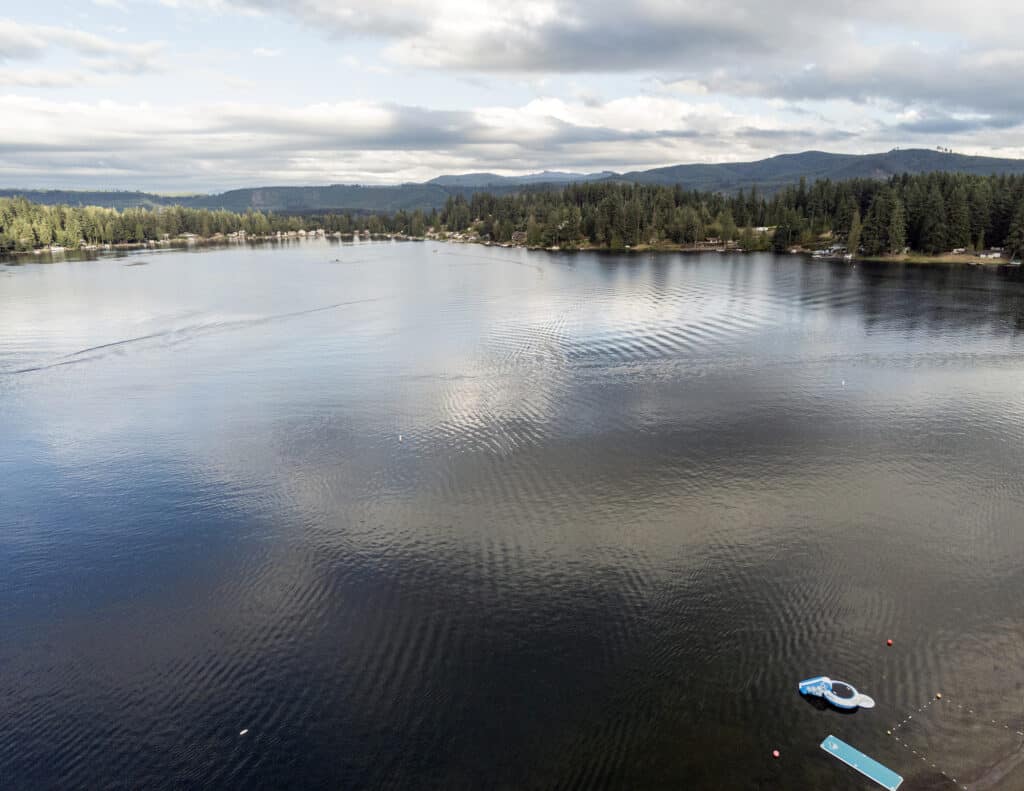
(775, 753)
(888, 642)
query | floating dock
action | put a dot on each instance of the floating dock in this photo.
(867, 766)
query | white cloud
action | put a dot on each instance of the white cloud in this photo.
(18, 41)
(104, 53)
(497, 35)
(874, 49)
(353, 63)
(217, 146)
(576, 84)
(41, 78)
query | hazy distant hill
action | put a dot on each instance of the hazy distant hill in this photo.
(338, 197)
(113, 199)
(282, 200)
(768, 175)
(544, 177)
(771, 174)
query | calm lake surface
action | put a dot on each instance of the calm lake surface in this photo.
(430, 516)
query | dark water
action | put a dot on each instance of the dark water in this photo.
(454, 517)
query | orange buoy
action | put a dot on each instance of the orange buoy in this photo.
(888, 642)
(775, 753)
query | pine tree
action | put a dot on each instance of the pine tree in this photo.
(1015, 239)
(72, 229)
(897, 227)
(875, 233)
(959, 222)
(981, 213)
(914, 199)
(22, 234)
(843, 213)
(728, 225)
(853, 237)
(533, 232)
(44, 232)
(933, 223)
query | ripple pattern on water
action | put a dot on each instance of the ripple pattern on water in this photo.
(497, 518)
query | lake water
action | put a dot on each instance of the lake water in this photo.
(431, 516)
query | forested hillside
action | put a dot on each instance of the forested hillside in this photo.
(767, 176)
(775, 173)
(26, 226)
(930, 213)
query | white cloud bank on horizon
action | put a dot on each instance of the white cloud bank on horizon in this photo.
(437, 87)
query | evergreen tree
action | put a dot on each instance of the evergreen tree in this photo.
(933, 223)
(875, 233)
(927, 212)
(958, 232)
(1015, 239)
(913, 202)
(533, 232)
(72, 232)
(981, 212)
(897, 228)
(853, 237)
(43, 232)
(843, 214)
(787, 232)
(728, 225)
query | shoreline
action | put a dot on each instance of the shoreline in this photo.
(913, 259)
(943, 258)
(192, 240)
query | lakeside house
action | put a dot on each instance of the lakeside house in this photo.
(832, 251)
(991, 253)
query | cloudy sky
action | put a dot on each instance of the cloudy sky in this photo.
(205, 95)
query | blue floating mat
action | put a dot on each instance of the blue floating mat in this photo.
(868, 767)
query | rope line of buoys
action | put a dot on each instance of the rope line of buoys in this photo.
(939, 699)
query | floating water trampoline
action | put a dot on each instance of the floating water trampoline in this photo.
(838, 693)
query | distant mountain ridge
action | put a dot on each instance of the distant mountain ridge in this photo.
(544, 177)
(768, 175)
(780, 171)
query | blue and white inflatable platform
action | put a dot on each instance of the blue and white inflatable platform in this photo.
(838, 693)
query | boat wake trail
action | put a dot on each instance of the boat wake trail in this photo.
(173, 337)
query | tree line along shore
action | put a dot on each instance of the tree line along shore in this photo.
(937, 216)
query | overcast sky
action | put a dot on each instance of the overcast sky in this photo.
(205, 95)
